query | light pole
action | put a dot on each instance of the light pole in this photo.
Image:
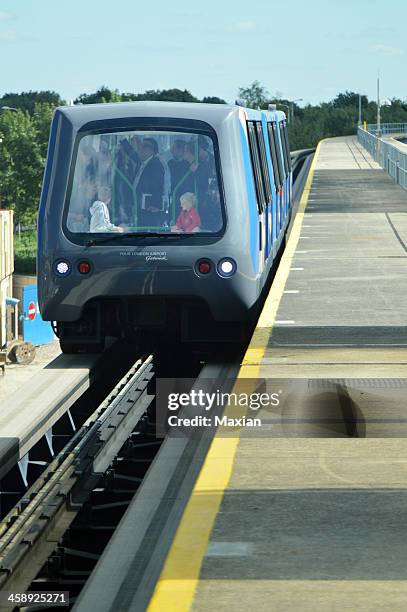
(378, 126)
(360, 111)
(285, 106)
(386, 102)
(290, 107)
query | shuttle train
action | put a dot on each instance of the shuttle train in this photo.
(160, 217)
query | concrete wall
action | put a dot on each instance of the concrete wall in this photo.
(6, 290)
(6, 268)
(6, 244)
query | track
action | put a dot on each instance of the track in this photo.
(125, 575)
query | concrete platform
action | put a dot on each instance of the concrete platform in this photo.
(28, 413)
(307, 512)
(17, 375)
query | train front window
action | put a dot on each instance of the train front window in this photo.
(145, 182)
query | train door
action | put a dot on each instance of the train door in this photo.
(260, 189)
(280, 161)
(278, 172)
(267, 188)
(282, 154)
(273, 177)
(276, 177)
(287, 165)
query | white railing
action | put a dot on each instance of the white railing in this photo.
(391, 158)
(388, 128)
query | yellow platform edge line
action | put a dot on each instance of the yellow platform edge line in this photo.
(179, 578)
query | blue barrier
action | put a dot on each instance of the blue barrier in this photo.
(34, 329)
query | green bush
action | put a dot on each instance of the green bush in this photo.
(25, 251)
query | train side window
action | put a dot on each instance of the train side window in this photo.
(263, 159)
(278, 154)
(258, 179)
(287, 145)
(283, 138)
(272, 144)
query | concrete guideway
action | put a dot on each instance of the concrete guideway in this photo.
(397, 140)
(310, 515)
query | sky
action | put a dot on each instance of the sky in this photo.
(309, 49)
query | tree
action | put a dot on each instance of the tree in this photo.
(27, 100)
(21, 165)
(167, 95)
(42, 117)
(347, 99)
(103, 94)
(255, 96)
(213, 100)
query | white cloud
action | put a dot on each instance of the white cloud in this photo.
(242, 26)
(4, 16)
(386, 50)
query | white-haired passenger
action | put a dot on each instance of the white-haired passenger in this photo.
(100, 215)
(188, 219)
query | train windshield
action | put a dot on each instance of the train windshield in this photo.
(145, 181)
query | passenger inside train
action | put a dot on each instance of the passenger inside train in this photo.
(147, 175)
(188, 219)
(178, 165)
(100, 214)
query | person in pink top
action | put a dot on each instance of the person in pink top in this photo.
(188, 219)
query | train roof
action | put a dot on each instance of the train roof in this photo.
(81, 114)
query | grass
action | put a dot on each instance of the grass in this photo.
(25, 251)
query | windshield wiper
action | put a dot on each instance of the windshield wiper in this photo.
(120, 235)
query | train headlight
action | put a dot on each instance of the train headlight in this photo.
(226, 267)
(62, 267)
